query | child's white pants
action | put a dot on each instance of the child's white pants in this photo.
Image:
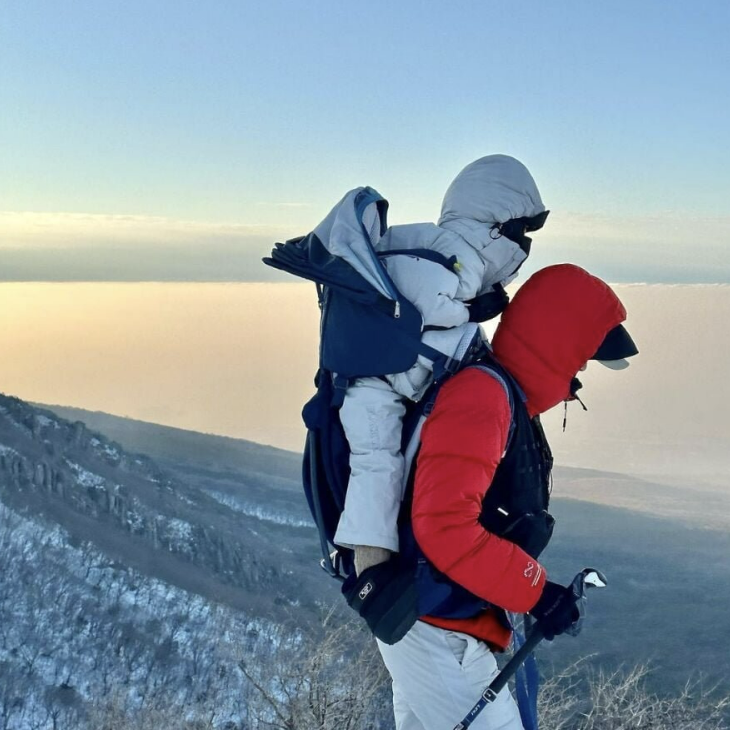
(372, 417)
(439, 675)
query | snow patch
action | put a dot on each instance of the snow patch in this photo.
(46, 422)
(259, 512)
(85, 477)
(179, 530)
(110, 451)
(135, 522)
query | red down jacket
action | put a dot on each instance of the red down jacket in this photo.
(553, 326)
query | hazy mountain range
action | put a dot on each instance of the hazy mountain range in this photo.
(123, 539)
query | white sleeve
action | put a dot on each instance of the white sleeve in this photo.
(372, 416)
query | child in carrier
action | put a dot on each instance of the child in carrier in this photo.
(449, 277)
(486, 212)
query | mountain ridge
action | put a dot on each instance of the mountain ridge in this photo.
(171, 445)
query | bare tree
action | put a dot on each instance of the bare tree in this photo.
(333, 682)
(113, 713)
(13, 688)
(620, 700)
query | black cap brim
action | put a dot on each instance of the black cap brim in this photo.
(616, 345)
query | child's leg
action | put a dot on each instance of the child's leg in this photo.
(372, 416)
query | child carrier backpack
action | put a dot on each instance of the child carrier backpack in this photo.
(369, 329)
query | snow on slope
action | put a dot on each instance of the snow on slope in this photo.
(77, 628)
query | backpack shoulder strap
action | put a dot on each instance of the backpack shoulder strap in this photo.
(505, 383)
(413, 440)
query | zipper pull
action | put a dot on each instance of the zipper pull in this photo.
(397, 309)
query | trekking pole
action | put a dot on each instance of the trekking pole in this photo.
(587, 578)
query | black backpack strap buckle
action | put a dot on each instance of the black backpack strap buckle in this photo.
(339, 388)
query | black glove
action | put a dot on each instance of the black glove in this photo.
(556, 611)
(386, 597)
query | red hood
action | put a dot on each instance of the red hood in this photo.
(552, 327)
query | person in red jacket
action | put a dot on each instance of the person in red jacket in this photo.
(560, 319)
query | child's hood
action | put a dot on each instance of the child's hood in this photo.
(489, 191)
(492, 189)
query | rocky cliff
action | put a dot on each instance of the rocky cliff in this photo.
(206, 533)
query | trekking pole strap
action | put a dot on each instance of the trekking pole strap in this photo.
(491, 692)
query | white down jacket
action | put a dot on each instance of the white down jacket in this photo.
(489, 191)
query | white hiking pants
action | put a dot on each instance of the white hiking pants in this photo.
(439, 675)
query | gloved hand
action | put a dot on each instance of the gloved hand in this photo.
(385, 596)
(556, 611)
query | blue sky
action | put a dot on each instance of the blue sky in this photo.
(136, 132)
